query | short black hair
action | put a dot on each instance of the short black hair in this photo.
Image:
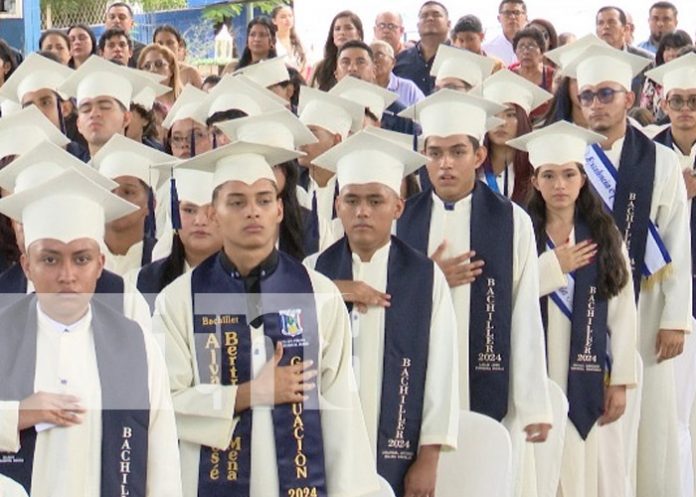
(530, 32)
(517, 2)
(355, 44)
(120, 4)
(468, 24)
(665, 5)
(475, 144)
(434, 2)
(225, 115)
(622, 14)
(112, 33)
(211, 79)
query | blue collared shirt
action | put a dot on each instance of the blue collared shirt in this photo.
(407, 90)
(648, 45)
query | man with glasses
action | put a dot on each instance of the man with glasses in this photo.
(678, 80)
(662, 20)
(641, 183)
(389, 27)
(512, 16)
(416, 62)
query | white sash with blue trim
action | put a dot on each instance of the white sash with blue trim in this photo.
(602, 175)
(563, 297)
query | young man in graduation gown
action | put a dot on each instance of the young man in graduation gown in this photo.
(31, 169)
(485, 246)
(406, 353)
(641, 183)
(258, 351)
(678, 82)
(84, 401)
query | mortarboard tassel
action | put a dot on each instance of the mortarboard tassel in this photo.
(150, 223)
(174, 195)
(193, 143)
(61, 119)
(214, 140)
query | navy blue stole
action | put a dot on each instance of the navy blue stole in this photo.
(490, 308)
(406, 344)
(665, 138)
(224, 352)
(109, 289)
(310, 231)
(148, 244)
(123, 374)
(634, 187)
(588, 343)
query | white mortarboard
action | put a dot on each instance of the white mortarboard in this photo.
(121, 156)
(35, 73)
(240, 161)
(153, 89)
(600, 63)
(506, 87)
(186, 106)
(558, 144)
(21, 131)
(331, 112)
(371, 96)
(452, 62)
(67, 207)
(239, 92)
(43, 162)
(278, 129)
(192, 185)
(450, 112)
(563, 56)
(366, 158)
(99, 77)
(266, 73)
(9, 107)
(679, 73)
(402, 139)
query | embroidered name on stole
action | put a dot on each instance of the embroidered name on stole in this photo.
(224, 352)
(490, 309)
(406, 345)
(122, 363)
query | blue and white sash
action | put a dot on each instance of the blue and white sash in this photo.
(563, 297)
(603, 177)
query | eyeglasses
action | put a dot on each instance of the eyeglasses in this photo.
(677, 102)
(512, 13)
(528, 47)
(387, 25)
(604, 95)
(157, 64)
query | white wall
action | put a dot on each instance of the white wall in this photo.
(314, 16)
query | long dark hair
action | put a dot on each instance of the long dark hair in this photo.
(174, 264)
(294, 39)
(520, 160)
(612, 273)
(677, 39)
(7, 56)
(324, 77)
(245, 59)
(560, 106)
(291, 232)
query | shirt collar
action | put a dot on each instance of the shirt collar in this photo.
(266, 268)
(61, 327)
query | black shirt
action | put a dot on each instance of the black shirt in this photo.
(410, 64)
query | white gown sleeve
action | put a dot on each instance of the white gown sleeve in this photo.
(622, 321)
(551, 276)
(9, 426)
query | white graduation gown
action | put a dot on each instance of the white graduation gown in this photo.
(205, 412)
(121, 264)
(441, 396)
(528, 401)
(664, 305)
(67, 461)
(580, 467)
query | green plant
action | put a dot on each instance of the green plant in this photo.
(156, 5)
(219, 13)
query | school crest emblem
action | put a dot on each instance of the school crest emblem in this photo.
(291, 322)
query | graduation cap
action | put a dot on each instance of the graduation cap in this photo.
(600, 63)
(239, 92)
(186, 106)
(66, 207)
(153, 89)
(43, 162)
(556, 144)
(266, 73)
(9, 107)
(22, 130)
(366, 158)
(121, 156)
(452, 62)
(506, 87)
(98, 77)
(563, 56)
(371, 96)
(278, 129)
(240, 161)
(35, 73)
(680, 73)
(330, 112)
(450, 112)
(402, 139)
